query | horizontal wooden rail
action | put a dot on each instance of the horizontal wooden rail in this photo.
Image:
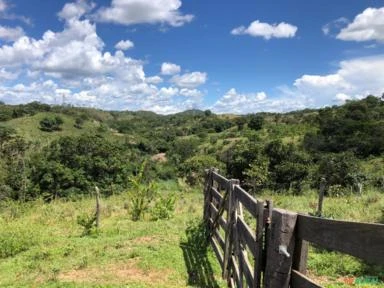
(299, 280)
(222, 181)
(247, 200)
(362, 240)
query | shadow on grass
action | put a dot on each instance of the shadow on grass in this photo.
(195, 252)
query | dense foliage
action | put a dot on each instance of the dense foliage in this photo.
(282, 152)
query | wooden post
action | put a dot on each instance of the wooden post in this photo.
(321, 197)
(207, 194)
(259, 245)
(97, 207)
(300, 256)
(280, 249)
(231, 218)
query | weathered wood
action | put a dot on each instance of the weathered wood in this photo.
(246, 235)
(98, 208)
(299, 280)
(230, 225)
(362, 240)
(258, 265)
(219, 239)
(207, 194)
(300, 256)
(236, 272)
(247, 269)
(219, 198)
(217, 251)
(280, 248)
(247, 200)
(321, 197)
(221, 180)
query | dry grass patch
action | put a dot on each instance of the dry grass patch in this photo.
(116, 273)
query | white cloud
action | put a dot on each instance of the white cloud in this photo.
(3, 5)
(10, 33)
(4, 13)
(194, 93)
(267, 31)
(331, 27)
(367, 26)
(129, 12)
(154, 80)
(73, 64)
(170, 68)
(355, 78)
(190, 80)
(124, 45)
(76, 10)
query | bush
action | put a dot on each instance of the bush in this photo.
(164, 207)
(14, 240)
(50, 124)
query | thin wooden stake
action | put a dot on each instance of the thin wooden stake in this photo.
(97, 207)
(321, 197)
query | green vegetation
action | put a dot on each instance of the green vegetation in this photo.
(146, 166)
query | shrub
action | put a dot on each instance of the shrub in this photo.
(164, 207)
(14, 240)
(50, 124)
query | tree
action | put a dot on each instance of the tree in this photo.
(50, 124)
(256, 122)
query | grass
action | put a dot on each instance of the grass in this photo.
(42, 246)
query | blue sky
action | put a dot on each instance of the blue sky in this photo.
(171, 55)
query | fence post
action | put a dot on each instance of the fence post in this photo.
(321, 197)
(281, 243)
(208, 194)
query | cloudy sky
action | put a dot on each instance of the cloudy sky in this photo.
(167, 56)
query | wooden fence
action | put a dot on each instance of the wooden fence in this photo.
(261, 246)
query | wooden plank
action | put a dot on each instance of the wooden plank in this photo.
(259, 261)
(219, 239)
(280, 248)
(216, 194)
(236, 272)
(221, 180)
(246, 234)
(221, 220)
(300, 256)
(219, 198)
(247, 269)
(299, 280)
(217, 251)
(247, 200)
(362, 240)
(232, 210)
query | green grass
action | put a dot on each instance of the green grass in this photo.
(46, 249)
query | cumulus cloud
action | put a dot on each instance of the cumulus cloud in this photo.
(10, 33)
(354, 79)
(170, 68)
(3, 6)
(267, 31)
(154, 80)
(76, 9)
(74, 65)
(129, 12)
(189, 80)
(124, 45)
(367, 26)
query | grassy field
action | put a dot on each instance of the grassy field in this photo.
(41, 245)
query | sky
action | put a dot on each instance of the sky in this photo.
(167, 56)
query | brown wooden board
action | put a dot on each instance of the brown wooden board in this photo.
(299, 280)
(235, 270)
(362, 240)
(222, 181)
(246, 234)
(247, 269)
(247, 200)
(217, 251)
